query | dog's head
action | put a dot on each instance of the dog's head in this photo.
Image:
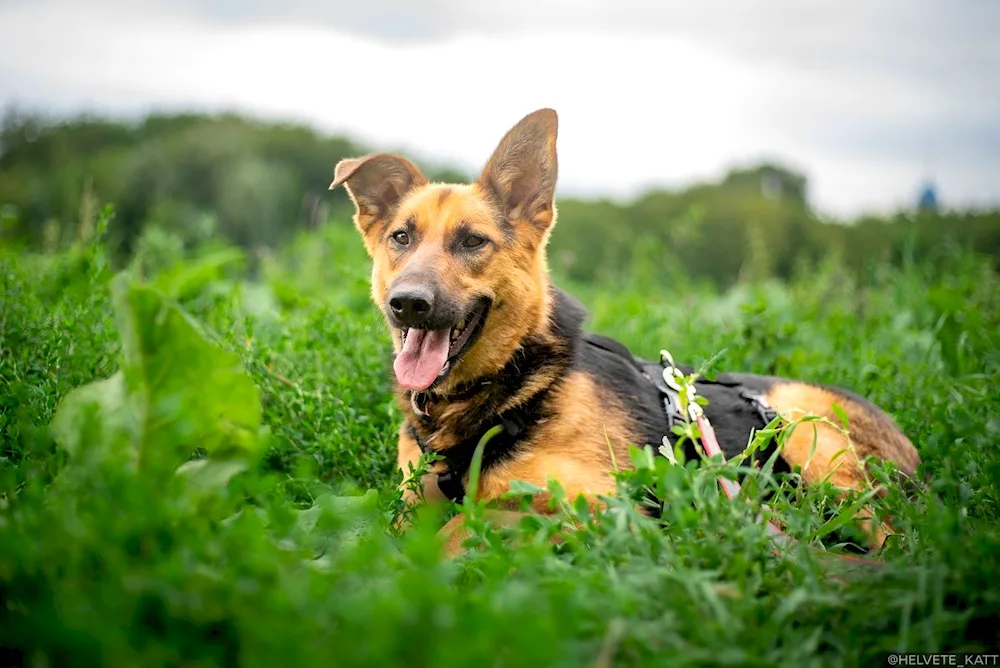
(459, 270)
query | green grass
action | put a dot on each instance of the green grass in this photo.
(273, 546)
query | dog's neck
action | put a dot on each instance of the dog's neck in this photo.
(539, 363)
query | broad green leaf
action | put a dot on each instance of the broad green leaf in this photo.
(95, 413)
(175, 392)
(210, 473)
(337, 510)
(334, 522)
(185, 391)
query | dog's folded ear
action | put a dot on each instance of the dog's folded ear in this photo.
(376, 183)
(521, 173)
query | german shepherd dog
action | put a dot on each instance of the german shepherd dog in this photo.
(482, 337)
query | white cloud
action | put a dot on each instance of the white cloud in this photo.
(636, 109)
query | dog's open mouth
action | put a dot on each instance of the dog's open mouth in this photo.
(429, 354)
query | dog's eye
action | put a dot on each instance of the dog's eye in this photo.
(401, 238)
(473, 241)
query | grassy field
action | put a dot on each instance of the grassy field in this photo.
(197, 469)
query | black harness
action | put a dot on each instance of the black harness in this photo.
(515, 421)
(671, 397)
(459, 457)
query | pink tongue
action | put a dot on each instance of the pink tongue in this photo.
(424, 354)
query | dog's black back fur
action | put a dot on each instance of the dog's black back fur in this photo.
(615, 369)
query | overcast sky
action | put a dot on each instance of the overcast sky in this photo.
(866, 97)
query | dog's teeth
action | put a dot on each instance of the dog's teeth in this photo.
(444, 369)
(454, 334)
(460, 326)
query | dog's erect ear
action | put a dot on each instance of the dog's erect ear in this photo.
(376, 184)
(521, 173)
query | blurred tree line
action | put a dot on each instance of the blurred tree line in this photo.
(754, 223)
(254, 184)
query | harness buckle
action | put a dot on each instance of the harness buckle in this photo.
(761, 405)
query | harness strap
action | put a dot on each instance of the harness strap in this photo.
(761, 405)
(672, 398)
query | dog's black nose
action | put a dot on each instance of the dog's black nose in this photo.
(412, 306)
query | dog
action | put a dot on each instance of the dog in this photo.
(482, 337)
